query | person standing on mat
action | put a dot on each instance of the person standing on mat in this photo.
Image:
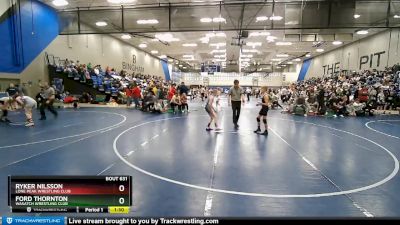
(28, 104)
(265, 102)
(212, 110)
(4, 104)
(235, 98)
(48, 95)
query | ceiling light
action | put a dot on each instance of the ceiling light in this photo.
(283, 43)
(60, 2)
(308, 55)
(220, 56)
(121, 1)
(271, 38)
(276, 60)
(396, 16)
(166, 37)
(218, 20)
(289, 62)
(247, 56)
(278, 67)
(253, 44)
(320, 50)
(276, 18)
(101, 24)
(151, 21)
(206, 20)
(180, 65)
(126, 36)
(163, 56)
(356, 16)
(246, 60)
(218, 44)
(184, 67)
(218, 51)
(204, 40)
(282, 55)
(189, 45)
(143, 45)
(154, 52)
(337, 43)
(257, 34)
(298, 60)
(220, 34)
(261, 18)
(249, 50)
(362, 32)
(210, 35)
(187, 56)
(170, 60)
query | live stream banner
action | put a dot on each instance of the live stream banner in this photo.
(178, 221)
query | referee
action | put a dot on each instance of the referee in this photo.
(48, 95)
(235, 98)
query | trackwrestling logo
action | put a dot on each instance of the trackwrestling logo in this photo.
(9, 220)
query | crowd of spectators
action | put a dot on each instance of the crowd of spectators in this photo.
(145, 92)
(356, 94)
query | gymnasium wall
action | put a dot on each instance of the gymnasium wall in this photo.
(374, 52)
(4, 6)
(106, 51)
(27, 36)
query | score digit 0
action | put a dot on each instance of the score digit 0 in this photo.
(121, 188)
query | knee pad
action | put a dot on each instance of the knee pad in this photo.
(258, 120)
(265, 121)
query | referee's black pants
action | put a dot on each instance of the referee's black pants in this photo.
(236, 105)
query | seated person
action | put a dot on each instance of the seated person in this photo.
(148, 101)
(175, 102)
(358, 108)
(159, 107)
(312, 103)
(275, 100)
(85, 98)
(341, 106)
(300, 106)
(70, 99)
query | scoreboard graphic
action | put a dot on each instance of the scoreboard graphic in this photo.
(75, 194)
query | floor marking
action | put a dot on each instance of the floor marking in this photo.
(71, 136)
(109, 167)
(130, 153)
(47, 151)
(144, 143)
(165, 130)
(365, 148)
(336, 135)
(16, 124)
(364, 188)
(391, 124)
(155, 136)
(377, 131)
(363, 210)
(70, 125)
(209, 199)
